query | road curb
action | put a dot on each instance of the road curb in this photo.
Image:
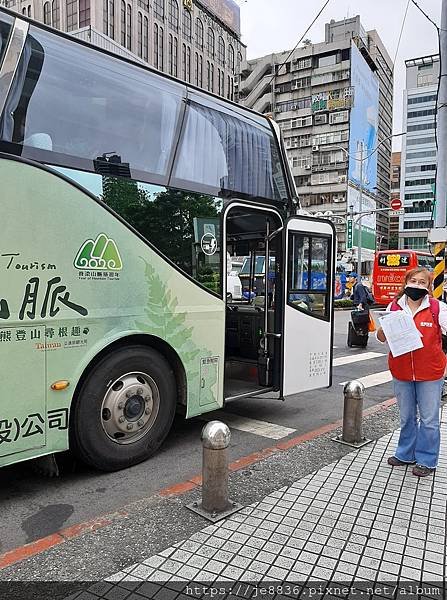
(39, 546)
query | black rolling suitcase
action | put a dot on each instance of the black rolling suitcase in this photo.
(358, 328)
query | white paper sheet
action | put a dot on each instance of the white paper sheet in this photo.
(400, 331)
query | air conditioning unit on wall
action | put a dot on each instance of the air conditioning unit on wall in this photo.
(315, 148)
(342, 179)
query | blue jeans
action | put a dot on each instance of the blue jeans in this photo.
(419, 440)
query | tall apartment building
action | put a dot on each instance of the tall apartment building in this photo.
(196, 41)
(418, 150)
(395, 193)
(330, 99)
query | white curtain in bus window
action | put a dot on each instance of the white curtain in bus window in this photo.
(80, 103)
(225, 153)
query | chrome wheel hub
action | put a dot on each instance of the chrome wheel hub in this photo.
(130, 407)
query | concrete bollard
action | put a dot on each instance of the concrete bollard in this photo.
(215, 503)
(352, 435)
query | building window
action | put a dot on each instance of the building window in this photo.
(29, 10)
(105, 17)
(415, 243)
(210, 76)
(187, 24)
(146, 39)
(199, 70)
(161, 56)
(129, 27)
(123, 23)
(188, 64)
(339, 117)
(112, 19)
(173, 15)
(231, 58)
(210, 42)
(199, 34)
(84, 13)
(221, 51)
(56, 14)
(327, 61)
(47, 13)
(159, 9)
(140, 35)
(229, 87)
(239, 61)
(72, 15)
(156, 45)
(173, 52)
(421, 127)
(422, 99)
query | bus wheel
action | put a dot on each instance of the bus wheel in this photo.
(124, 410)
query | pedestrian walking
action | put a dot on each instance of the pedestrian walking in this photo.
(359, 294)
(358, 327)
(418, 376)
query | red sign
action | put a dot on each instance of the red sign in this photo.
(396, 204)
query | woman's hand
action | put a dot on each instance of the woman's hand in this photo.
(381, 335)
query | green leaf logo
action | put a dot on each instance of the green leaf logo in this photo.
(99, 254)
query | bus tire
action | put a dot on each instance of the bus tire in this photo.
(124, 409)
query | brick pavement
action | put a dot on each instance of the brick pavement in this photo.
(373, 530)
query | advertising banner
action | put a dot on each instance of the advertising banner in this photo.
(368, 222)
(225, 10)
(364, 121)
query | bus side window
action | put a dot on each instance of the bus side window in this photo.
(215, 144)
(103, 107)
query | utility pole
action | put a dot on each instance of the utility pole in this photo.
(438, 234)
(359, 237)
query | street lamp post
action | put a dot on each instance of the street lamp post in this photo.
(359, 237)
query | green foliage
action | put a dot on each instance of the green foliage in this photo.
(343, 303)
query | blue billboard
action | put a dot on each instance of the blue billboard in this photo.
(363, 123)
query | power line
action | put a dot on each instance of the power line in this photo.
(299, 41)
(425, 14)
(400, 35)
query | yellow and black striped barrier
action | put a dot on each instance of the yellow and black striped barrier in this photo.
(438, 281)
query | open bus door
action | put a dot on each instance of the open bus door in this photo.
(308, 304)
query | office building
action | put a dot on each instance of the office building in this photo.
(418, 151)
(333, 99)
(196, 41)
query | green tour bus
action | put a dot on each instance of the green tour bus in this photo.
(123, 193)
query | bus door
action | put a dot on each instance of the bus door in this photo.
(308, 305)
(252, 329)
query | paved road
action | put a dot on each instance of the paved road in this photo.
(34, 507)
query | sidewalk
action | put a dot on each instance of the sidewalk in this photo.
(355, 528)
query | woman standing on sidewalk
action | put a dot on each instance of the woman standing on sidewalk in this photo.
(418, 376)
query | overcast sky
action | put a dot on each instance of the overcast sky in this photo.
(273, 26)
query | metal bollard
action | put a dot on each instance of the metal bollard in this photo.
(352, 415)
(215, 503)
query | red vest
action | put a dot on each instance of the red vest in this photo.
(427, 363)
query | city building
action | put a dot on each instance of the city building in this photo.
(333, 102)
(196, 41)
(395, 193)
(418, 151)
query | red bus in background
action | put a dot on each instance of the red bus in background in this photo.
(390, 267)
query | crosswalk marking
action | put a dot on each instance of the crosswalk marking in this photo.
(373, 379)
(352, 358)
(262, 428)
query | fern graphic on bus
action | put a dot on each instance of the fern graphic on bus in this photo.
(101, 253)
